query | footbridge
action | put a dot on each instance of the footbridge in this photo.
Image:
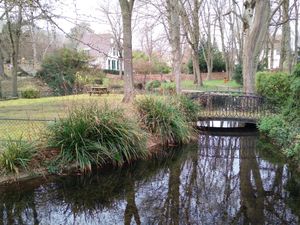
(230, 106)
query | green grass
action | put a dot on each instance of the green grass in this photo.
(113, 83)
(48, 108)
(211, 85)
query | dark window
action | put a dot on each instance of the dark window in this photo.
(113, 67)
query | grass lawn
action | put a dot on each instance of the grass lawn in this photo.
(49, 108)
(211, 85)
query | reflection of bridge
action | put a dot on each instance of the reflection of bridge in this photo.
(230, 106)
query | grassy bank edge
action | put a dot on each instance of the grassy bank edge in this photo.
(184, 108)
(152, 147)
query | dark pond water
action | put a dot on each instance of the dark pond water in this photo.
(221, 179)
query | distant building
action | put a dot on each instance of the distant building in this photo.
(102, 50)
(276, 54)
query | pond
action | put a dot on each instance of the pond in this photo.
(224, 178)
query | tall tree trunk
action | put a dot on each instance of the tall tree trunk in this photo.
(121, 67)
(196, 63)
(126, 10)
(239, 36)
(189, 13)
(14, 36)
(2, 72)
(296, 31)
(225, 53)
(15, 54)
(33, 39)
(174, 31)
(285, 39)
(255, 32)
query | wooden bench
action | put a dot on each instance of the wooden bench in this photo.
(98, 90)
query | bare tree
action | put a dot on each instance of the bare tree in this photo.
(113, 17)
(273, 39)
(174, 39)
(255, 25)
(285, 49)
(126, 11)
(189, 11)
(32, 28)
(148, 43)
(14, 29)
(296, 3)
(207, 47)
(226, 34)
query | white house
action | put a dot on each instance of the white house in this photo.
(276, 54)
(102, 50)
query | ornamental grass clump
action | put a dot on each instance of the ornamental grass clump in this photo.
(188, 107)
(164, 119)
(15, 155)
(93, 135)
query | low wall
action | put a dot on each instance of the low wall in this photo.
(143, 78)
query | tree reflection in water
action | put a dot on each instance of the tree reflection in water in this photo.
(222, 180)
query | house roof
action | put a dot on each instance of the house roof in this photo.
(97, 44)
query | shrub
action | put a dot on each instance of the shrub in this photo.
(164, 119)
(114, 72)
(283, 128)
(292, 109)
(139, 86)
(151, 85)
(275, 128)
(93, 135)
(169, 87)
(188, 107)
(238, 74)
(281, 132)
(218, 60)
(59, 69)
(30, 93)
(142, 64)
(16, 155)
(275, 87)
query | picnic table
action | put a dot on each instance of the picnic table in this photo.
(98, 90)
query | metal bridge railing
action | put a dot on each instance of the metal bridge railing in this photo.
(231, 105)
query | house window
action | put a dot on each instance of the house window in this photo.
(114, 52)
(118, 65)
(113, 66)
(109, 64)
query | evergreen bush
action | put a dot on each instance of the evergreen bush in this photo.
(151, 85)
(30, 93)
(59, 69)
(275, 87)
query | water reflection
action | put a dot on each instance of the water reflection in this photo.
(222, 179)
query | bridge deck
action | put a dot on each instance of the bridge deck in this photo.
(230, 106)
